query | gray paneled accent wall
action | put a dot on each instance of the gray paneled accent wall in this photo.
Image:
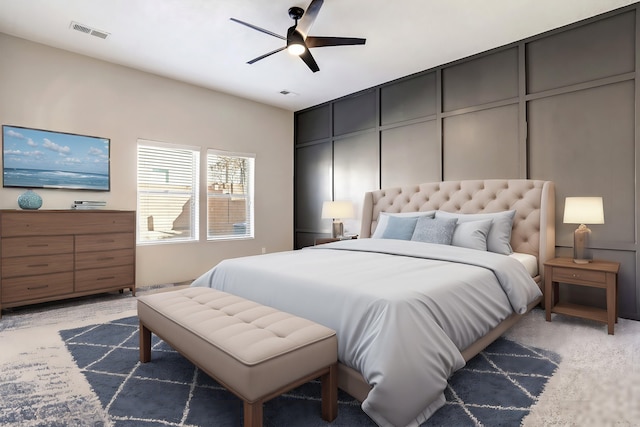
(559, 106)
(353, 175)
(409, 153)
(481, 144)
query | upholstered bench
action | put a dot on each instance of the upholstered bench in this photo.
(255, 351)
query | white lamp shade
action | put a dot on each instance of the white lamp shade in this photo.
(583, 210)
(338, 209)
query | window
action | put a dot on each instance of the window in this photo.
(229, 195)
(167, 192)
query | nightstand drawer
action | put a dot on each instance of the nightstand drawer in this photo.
(570, 275)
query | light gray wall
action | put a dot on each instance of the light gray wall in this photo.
(46, 88)
(559, 106)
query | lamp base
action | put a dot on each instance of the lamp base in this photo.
(337, 229)
(581, 253)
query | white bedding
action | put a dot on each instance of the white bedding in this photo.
(401, 318)
(529, 261)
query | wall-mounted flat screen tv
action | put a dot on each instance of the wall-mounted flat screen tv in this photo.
(35, 158)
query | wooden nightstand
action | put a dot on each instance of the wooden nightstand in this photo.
(323, 240)
(596, 274)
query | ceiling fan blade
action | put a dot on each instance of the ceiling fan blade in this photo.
(266, 54)
(309, 17)
(333, 41)
(262, 30)
(308, 59)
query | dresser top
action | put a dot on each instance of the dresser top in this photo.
(62, 210)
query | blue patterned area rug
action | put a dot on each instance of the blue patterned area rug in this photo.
(497, 387)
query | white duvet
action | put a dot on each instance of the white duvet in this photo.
(402, 310)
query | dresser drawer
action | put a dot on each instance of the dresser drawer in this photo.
(103, 221)
(46, 245)
(104, 242)
(36, 287)
(31, 223)
(35, 265)
(570, 275)
(49, 222)
(104, 278)
(87, 260)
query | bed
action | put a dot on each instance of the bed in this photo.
(409, 313)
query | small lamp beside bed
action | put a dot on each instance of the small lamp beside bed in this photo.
(337, 210)
(582, 210)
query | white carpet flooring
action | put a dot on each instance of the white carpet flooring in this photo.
(597, 383)
(598, 380)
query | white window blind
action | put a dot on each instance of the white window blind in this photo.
(167, 192)
(229, 195)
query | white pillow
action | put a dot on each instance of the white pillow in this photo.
(472, 234)
(499, 238)
(383, 220)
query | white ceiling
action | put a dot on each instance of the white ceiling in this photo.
(194, 40)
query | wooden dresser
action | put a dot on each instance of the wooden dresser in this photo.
(47, 255)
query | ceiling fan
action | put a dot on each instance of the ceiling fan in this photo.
(298, 39)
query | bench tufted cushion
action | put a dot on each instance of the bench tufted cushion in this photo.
(251, 348)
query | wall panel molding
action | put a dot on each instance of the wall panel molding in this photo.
(559, 106)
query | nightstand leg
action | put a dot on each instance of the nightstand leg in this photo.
(547, 295)
(611, 302)
(617, 312)
(556, 292)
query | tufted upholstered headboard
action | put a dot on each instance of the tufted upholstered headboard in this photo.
(534, 201)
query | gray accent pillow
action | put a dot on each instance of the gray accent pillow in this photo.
(434, 230)
(472, 234)
(400, 228)
(383, 219)
(499, 238)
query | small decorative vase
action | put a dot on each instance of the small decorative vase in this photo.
(30, 200)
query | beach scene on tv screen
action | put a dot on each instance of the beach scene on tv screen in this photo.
(35, 158)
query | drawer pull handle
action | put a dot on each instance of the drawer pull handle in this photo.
(106, 241)
(38, 245)
(38, 265)
(106, 278)
(33, 288)
(107, 258)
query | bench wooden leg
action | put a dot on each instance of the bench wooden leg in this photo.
(145, 344)
(253, 414)
(329, 383)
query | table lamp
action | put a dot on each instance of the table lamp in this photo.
(338, 210)
(582, 210)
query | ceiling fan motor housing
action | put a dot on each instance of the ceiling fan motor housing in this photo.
(296, 12)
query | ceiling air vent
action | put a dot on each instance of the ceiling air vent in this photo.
(88, 30)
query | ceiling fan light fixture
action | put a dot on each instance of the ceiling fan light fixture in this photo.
(296, 49)
(298, 40)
